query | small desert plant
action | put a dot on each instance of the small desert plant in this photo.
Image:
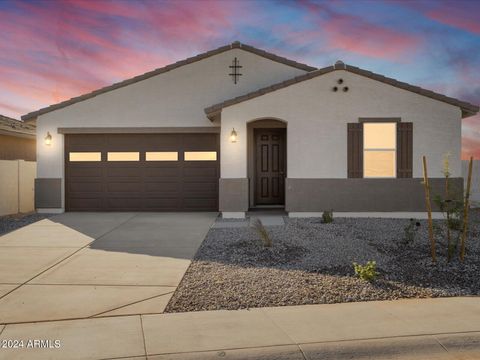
(451, 205)
(366, 272)
(262, 232)
(411, 231)
(327, 216)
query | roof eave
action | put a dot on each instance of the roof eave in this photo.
(18, 134)
(234, 45)
(466, 108)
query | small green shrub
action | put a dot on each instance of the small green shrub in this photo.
(366, 272)
(262, 232)
(327, 216)
(411, 231)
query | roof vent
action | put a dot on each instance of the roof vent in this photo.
(339, 65)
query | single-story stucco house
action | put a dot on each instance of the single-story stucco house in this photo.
(238, 128)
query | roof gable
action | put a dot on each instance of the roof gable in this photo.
(147, 75)
(467, 108)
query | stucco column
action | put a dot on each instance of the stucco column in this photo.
(233, 187)
(49, 183)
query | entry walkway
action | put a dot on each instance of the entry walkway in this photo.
(447, 328)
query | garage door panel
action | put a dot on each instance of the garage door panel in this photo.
(173, 172)
(161, 142)
(92, 140)
(124, 204)
(161, 184)
(124, 172)
(85, 204)
(88, 186)
(162, 187)
(125, 186)
(200, 173)
(195, 142)
(85, 172)
(207, 187)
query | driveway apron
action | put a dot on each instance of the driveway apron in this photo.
(80, 265)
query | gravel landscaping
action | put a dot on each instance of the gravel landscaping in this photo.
(311, 263)
(12, 222)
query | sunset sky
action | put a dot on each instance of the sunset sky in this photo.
(53, 50)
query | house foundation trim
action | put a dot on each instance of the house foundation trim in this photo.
(48, 193)
(233, 195)
(364, 195)
(384, 215)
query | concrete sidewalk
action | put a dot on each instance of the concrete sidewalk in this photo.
(447, 328)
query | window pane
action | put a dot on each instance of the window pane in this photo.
(123, 156)
(379, 135)
(200, 155)
(161, 156)
(85, 156)
(379, 164)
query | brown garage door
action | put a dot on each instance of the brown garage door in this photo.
(141, 172)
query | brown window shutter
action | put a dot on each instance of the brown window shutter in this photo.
(404, 149)
(355, 150)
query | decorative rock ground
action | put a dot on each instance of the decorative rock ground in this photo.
(311, 263)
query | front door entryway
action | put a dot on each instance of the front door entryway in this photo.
(270, 165)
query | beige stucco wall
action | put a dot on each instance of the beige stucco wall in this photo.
(175, 98)
(16, 186)
(317, 121)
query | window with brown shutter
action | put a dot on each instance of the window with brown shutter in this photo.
(355, 150)
(404, 149)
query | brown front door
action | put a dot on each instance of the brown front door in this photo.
(270, 166)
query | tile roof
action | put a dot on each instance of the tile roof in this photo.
(467, 108)
(234, 45)
(13, 127)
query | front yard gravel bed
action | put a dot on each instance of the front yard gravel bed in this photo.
(12, 222)
(311, 263)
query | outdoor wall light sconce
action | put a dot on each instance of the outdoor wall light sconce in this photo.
(48, 139)
(340, 81)
(233, 136)
(345, 89)
(335, 89)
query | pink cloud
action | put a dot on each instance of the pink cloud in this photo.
(471, 137)
(459, 15)
(11, 110)
(356, 35)
(366, 39)
(470, 147)
(63, 49)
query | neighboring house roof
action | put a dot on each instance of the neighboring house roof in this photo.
(467, 108)
(13, 127)
(234, 45)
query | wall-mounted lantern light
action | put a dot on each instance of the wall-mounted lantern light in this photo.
(233, 136)
(48, 139)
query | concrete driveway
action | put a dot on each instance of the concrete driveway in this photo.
(80, 265)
